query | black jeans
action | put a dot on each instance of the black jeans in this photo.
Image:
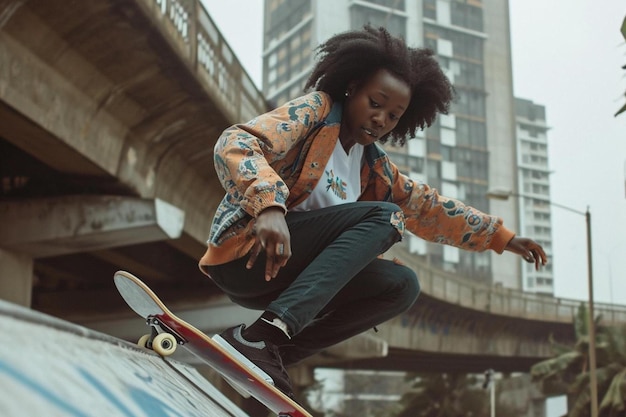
(333, 286)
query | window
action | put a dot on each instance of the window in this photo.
(396, 4)
(284, 15)
(469, 74)
(477, 134)
(469, 102)
(360, 15)
(289, 59)
(466, 14)
(472, 164)
(430, 9)
(444, 47)
(465, 47)
(416, 164)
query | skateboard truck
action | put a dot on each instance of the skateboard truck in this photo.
(162, 339)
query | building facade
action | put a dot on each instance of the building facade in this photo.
(462, 154)
(534, 187)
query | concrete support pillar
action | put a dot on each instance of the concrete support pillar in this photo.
(16, 277)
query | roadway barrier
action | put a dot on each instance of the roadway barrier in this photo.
(49, 367)
(464, 292)
(197, 40)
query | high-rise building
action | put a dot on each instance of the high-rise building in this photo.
(464, 153)
(534, 186)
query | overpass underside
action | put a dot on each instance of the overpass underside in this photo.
(105, 116)
(109, 111)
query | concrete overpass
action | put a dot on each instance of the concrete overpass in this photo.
(109, 111)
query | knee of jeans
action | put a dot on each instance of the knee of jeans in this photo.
(391, 214)
(410, 290)
(394, 215)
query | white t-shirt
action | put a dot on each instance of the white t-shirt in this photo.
(341, 182)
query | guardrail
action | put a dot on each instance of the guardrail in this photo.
(453, 289)
(193, 34)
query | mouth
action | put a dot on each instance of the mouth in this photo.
(371, 133)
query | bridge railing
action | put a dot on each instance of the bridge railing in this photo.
(193, 34)
(496, 300)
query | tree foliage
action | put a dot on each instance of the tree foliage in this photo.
(568, 371)
(623, 109)
(448, 395)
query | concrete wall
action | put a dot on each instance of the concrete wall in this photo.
(49, 367)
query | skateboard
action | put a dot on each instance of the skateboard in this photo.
(168, 332)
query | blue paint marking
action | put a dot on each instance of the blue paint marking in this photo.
(153, 406)
(105, 392)
(148, 403)
(41, 390)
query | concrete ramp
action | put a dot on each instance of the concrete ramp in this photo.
(49, 367)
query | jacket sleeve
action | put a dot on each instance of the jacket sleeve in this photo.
(445, 220)
(244, 152)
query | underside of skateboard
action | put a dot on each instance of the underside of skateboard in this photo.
(167, 332)
(163, 340)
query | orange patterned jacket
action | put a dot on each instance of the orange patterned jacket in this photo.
(277, 159)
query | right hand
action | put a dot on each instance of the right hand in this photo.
(272, 235)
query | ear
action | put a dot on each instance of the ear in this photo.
(351, 89)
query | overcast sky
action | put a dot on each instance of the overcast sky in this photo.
(567, 56)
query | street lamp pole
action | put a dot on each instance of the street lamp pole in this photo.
(592, 325)
(491, 384)
(502, 194)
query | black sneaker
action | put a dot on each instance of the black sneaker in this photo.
(262, 357)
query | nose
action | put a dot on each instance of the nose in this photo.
(379, 119)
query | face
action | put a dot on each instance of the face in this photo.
(373, 109)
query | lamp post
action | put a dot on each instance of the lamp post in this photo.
(504, 194)
(491, 384)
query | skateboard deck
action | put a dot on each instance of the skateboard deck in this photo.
(169, 331)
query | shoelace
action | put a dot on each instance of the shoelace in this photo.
(273, 350)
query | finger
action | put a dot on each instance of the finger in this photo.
(270, 255)
(544, 257)
(540, 257)
(278, 261)
(254, 253)
(284, 253)
(269, 267)
(281, 256)
(528, 257)
(537, 263)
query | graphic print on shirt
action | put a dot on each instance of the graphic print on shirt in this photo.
(336, 184)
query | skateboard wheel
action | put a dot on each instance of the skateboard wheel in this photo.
(143, 341)
(164, 344)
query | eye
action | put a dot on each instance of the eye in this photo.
(393, 116)
(374, 103)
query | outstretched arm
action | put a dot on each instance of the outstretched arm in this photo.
(531, 251)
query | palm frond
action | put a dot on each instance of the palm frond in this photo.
(581, 324)
(549, 367)
(614, 401)
(558, 348)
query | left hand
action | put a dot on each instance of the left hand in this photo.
(531, 251)
(272, 235)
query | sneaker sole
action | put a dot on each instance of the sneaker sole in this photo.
(245, 361)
